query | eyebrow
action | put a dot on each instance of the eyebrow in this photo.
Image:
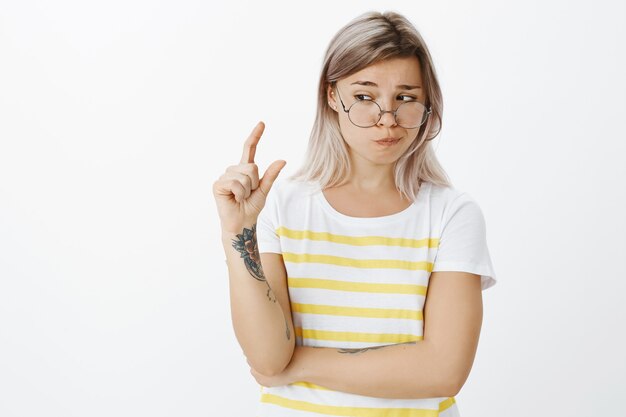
(401, 86)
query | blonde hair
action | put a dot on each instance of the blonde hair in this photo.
(370, 38)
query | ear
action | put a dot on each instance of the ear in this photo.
(330, 95)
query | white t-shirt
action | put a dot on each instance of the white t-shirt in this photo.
(358, 282)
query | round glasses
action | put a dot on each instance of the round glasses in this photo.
(367, 113)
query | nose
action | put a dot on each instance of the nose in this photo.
(387, 118)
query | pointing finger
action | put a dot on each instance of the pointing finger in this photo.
(249, 147)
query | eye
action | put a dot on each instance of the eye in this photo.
(409, 98)
(360, 97)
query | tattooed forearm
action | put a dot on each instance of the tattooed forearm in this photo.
(355, 351)
(246, 245)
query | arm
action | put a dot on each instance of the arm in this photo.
(436, 366)
(259, 300)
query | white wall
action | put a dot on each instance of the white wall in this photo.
(116, 117)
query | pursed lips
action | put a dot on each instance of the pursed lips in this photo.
(391, 139)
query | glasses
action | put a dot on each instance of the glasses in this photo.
(367, 113)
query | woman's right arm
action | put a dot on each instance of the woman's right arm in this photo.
(259, 299)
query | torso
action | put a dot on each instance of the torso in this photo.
(356, 204)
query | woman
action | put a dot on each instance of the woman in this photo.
(330, 269)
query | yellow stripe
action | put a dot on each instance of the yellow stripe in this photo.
(444, 405)
(357, 240)
(334, 410)
(336, 336)
(356, 263)
(309, 385)
(383, 313)
(331, 284)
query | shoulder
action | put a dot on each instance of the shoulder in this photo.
(444, 193)
(285, 191)
(287, 187)
(452, 203)
(447, 197)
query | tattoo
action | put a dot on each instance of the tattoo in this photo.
(246, 244)
(356, 351)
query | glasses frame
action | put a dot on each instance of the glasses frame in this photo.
(380, 114)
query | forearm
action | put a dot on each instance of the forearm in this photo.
(396, 371)
(258, 319)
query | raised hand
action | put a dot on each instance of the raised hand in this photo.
(239, 194)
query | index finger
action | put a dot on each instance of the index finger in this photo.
(249, 147)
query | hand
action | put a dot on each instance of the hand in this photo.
(239, 194)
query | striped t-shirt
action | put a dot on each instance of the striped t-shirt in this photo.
(358, 282)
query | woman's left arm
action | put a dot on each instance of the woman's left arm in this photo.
(436, 366)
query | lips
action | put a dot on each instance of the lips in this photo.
(387, 140)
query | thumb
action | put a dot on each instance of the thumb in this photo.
(271, 173)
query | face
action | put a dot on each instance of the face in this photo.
(389, 83)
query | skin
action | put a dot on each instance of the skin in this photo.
(439, 364)
(372, 164)
(370, 191)
(266, 337)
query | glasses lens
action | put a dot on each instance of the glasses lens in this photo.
(410, 114)
(364, 113)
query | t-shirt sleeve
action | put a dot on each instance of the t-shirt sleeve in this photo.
(267, 223)
(463, 241)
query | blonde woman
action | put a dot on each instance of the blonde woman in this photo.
(356, 283)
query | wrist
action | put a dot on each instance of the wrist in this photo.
(230, 233)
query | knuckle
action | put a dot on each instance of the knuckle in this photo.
(242, 178)
(251, 169)
(234, 184)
